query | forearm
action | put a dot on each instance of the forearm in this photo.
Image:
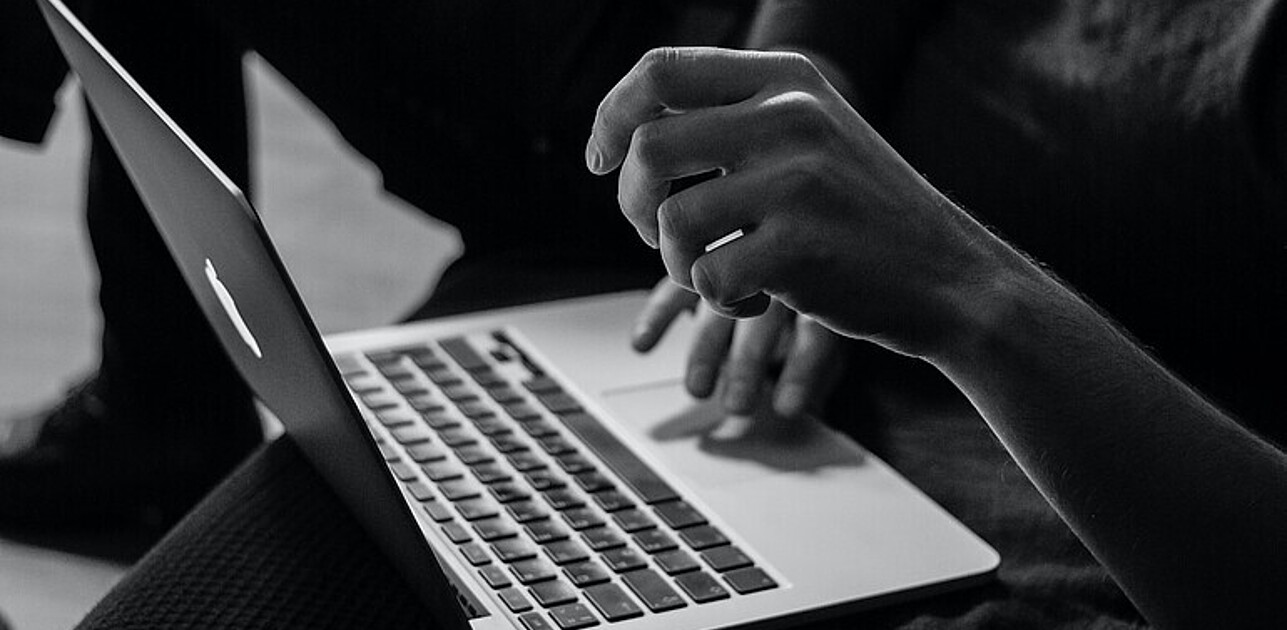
(1182, 504)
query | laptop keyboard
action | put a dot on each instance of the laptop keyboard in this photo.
(564, 522)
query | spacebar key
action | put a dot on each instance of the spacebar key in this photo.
(632, 470)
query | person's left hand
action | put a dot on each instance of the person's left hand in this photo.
(739, 358)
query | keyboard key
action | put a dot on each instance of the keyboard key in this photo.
(438, 511)
(582, 518)
(566, 551)
(457, 533)
(527, 511)
(653, 589)
(612, 500)
(409, 388)
(460, 489)
(654, 541)
(403, 471)
(633, 520)
(541, 384)
(425, 403)
(515, 600)
(678, 514)
(521, 411)
(585, 573)
(475, 554)
(501, 393)
(702, 537)
(420, 490)
(507, 491)
(563, 499)
(573, 616)
(543, 480)
(556, 445)
(676, 561)
(491, 426)
(492, 529)
(601, 538)
(442, 471)
(473, 454)
(442, 376)
(623, 559)
(440, 420)
(749, 580)
(489, 379)
(387, 451)
(411, 434)
(428, 361)
(508, 443)
(533, 571)
(525, 461)
(384, 357)
(613, 602)
(629, 468)
(381, 400)
(395, 417)
(491, 473)
(474, 409)
(593, 482)
(539, 428)
(534, 621)
(559, 402)
(464, 354)
(726, 558)
(514, 549)
(553, 593)
(495, 576)
(348, 365)
(476, 509)
(701, 587)
(547, 531)
(424, 453)
(457, 437)
(573, 463)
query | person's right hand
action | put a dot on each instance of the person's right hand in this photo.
(779, 358)
(836, 224)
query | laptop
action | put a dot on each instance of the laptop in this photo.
(524, 468)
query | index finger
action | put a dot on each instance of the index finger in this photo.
(673, 79)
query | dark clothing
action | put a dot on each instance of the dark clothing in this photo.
(1137, 148)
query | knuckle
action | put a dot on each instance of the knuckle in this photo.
(656, 65)
(799, 114)
(647, 143)
(672, 219)
(799, 67)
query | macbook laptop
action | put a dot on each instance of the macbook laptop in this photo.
(524, 468)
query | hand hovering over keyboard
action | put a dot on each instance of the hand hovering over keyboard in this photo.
(780, 358)
(829, 221)
(834, 223)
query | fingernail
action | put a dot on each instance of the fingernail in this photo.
(737, 397)
(593, 157)
(650, 240)
(699, 381)
(640, 336)
(789, 401)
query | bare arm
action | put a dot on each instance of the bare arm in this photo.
(1181, 504)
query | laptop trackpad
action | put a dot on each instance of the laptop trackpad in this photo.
(709, 448)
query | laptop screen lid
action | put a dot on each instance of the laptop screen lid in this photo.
(247, 297)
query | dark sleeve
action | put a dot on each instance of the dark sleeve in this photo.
(870, 41)
(31, 71)
(1265, 95)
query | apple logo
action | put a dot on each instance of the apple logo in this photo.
(230, 307)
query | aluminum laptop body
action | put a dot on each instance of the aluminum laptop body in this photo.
(786, 526)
